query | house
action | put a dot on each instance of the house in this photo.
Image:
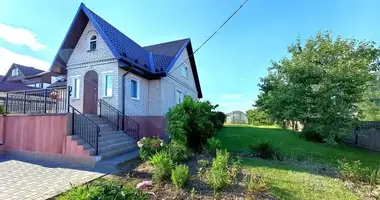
(101, 63)
(30, 76)
(116, 93)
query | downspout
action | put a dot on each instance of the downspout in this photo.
(123, 91)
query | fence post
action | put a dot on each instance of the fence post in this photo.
(6, 104)
(24, 102)
(72, 122)
(68, 98)
(45, 101)
(100, 108)
(356, 136)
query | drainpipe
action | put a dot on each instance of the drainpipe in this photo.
(123, 92)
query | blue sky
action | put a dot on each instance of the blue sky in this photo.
(229, 66)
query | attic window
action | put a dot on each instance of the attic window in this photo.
(93, 43)
(15, 72)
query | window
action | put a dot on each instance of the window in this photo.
(76, 86)
(93, 43)
(184, 70)
(108, 86)
(14, 72)
(179, 96)
(135, 89)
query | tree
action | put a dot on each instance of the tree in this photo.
(369, 108)
(256, 117)
(322, 82)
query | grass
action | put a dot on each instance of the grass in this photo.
(237, 138)
(291, 182)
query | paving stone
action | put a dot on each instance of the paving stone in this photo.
(25, 179)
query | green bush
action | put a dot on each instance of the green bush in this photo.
(375, 178)
(353, 171)
(104, 189)
(162, 165)
(218, 119)
(313, 132)
(2, 110)
(150, 146)
(189, 122)
(212, 145)
(264, 149)
(218, 176)
(255, 183)
(178, 151)
(180, 175)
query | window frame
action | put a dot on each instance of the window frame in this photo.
(137, 88)
(92, 41)
(14, 72)
(105, 85)
(76, 88)
(177, 101)
(184, 66)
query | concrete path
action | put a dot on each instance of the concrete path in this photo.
(20, 179)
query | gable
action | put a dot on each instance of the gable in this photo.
(82, 53)
(8, 76)
(176, 70)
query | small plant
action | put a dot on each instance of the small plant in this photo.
(180, 175)
(203, 166)
(235, 168)
(212, 145)
(218, 176)
(178, 152)
(162, 165)
(264, 149)
(104, 189)
(2, 110)
(354, 171)
(255, 183)
(193, 192)
(150, 146)
(374, 179)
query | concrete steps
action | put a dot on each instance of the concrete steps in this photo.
(114, 146)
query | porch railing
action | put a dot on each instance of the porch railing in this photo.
(120, 121)
(38, 101)
(85, 128)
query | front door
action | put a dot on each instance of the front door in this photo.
(90, 93)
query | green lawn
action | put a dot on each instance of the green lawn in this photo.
(237, 138)
(289, 181)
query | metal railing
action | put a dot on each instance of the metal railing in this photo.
(85, 128)
(120, 121)
(38, 101)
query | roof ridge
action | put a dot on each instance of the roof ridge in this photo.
(166, 42)
(93, 13)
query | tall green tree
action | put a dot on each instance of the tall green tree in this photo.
(321, 81)
(256, 117)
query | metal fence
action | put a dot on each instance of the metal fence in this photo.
(366, 135)
(38, 101)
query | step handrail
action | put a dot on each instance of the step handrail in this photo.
(112, 115)
(85, 128)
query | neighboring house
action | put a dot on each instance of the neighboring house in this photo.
(1, 77)
(100, 62)
(29, 76)
(7, 87)
(236, 117)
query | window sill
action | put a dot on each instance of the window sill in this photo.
(75, 98)
(136, 99)
(91, 50)
(107, 96)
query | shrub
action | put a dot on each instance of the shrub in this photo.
(218, 119)
(189, 122)
(104, 189)
(202, 166)
(235, 168)
(353, 171)
(2, 110)
(255, 183)
(313, 132)
(180, 175)
(218, 176)
(178, 151)
(150, 146)
(375, 179)
(162, 165)
(212, 145)
(264, 149)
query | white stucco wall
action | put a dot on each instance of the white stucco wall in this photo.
(175, 81)
(101, 61)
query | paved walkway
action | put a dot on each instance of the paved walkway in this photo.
(40, 180)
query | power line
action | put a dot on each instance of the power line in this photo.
(225, 22)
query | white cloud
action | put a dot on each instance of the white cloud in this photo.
(7, 58)
(241, 79)
(231, 96)
(20, 36)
